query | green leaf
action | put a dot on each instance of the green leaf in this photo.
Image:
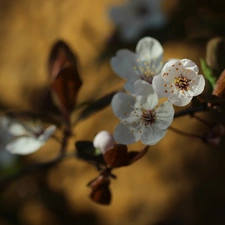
(208, 73)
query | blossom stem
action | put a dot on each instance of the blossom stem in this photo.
(191, 110)
(66, 135)
(185, 133)
(201, 120)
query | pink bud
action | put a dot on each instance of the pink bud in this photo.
(103, 141)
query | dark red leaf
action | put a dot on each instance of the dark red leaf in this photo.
(61, 57)
(117, 156)
(100, 190)
(135, 155)
(65, 79)
(86, 151)
(219, 89)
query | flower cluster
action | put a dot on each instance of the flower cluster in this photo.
(23, 137)
(147, 80)
(141, 117)
(144, 64)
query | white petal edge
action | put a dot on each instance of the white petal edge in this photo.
(129, 86)
(121, 105)
(47, 133)
(12, 127)
(200, 82)
(123, 134)
(158, 85)
(164, 115)
(145, 89)
(123, 64)
(149, 48)
(151, 136)
(188, 64)
(24, 145)
(179, 101)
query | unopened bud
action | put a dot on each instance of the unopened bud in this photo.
(103, 141)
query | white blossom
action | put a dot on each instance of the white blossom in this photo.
(23, 138)
(141, 117)
(136, 16)
(179, 81)
(103, 141)
(144, 64)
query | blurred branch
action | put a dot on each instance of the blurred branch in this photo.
(33, 168)
(185, 133)
(191, 110)
(97, 105)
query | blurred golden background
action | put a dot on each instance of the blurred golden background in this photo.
(179, 181)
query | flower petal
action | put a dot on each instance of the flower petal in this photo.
(123, 64)
(198, 85)
(47, 133)
(122, 105)
(149, 48)
(152, 135)
(145, 89)
(12, 127)
(24, 145)
(129, 86)
(159, 85)
(182, 101)
(164, 115)
(123, 133)
(188, 64)
(190, 74)
(171, 72)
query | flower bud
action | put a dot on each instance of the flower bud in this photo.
(103, 141)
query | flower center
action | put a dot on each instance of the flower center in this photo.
(182, 83)
(148, 117)
(146, 69)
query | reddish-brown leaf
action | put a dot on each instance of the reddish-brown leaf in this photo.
(219, 89)
(100, 190)
(64, 76)
(117, 156)
(61, 56)
(135, 155)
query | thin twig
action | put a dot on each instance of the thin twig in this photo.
(185, 133)
(191, 110)
(66, 135)
(201, 120)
